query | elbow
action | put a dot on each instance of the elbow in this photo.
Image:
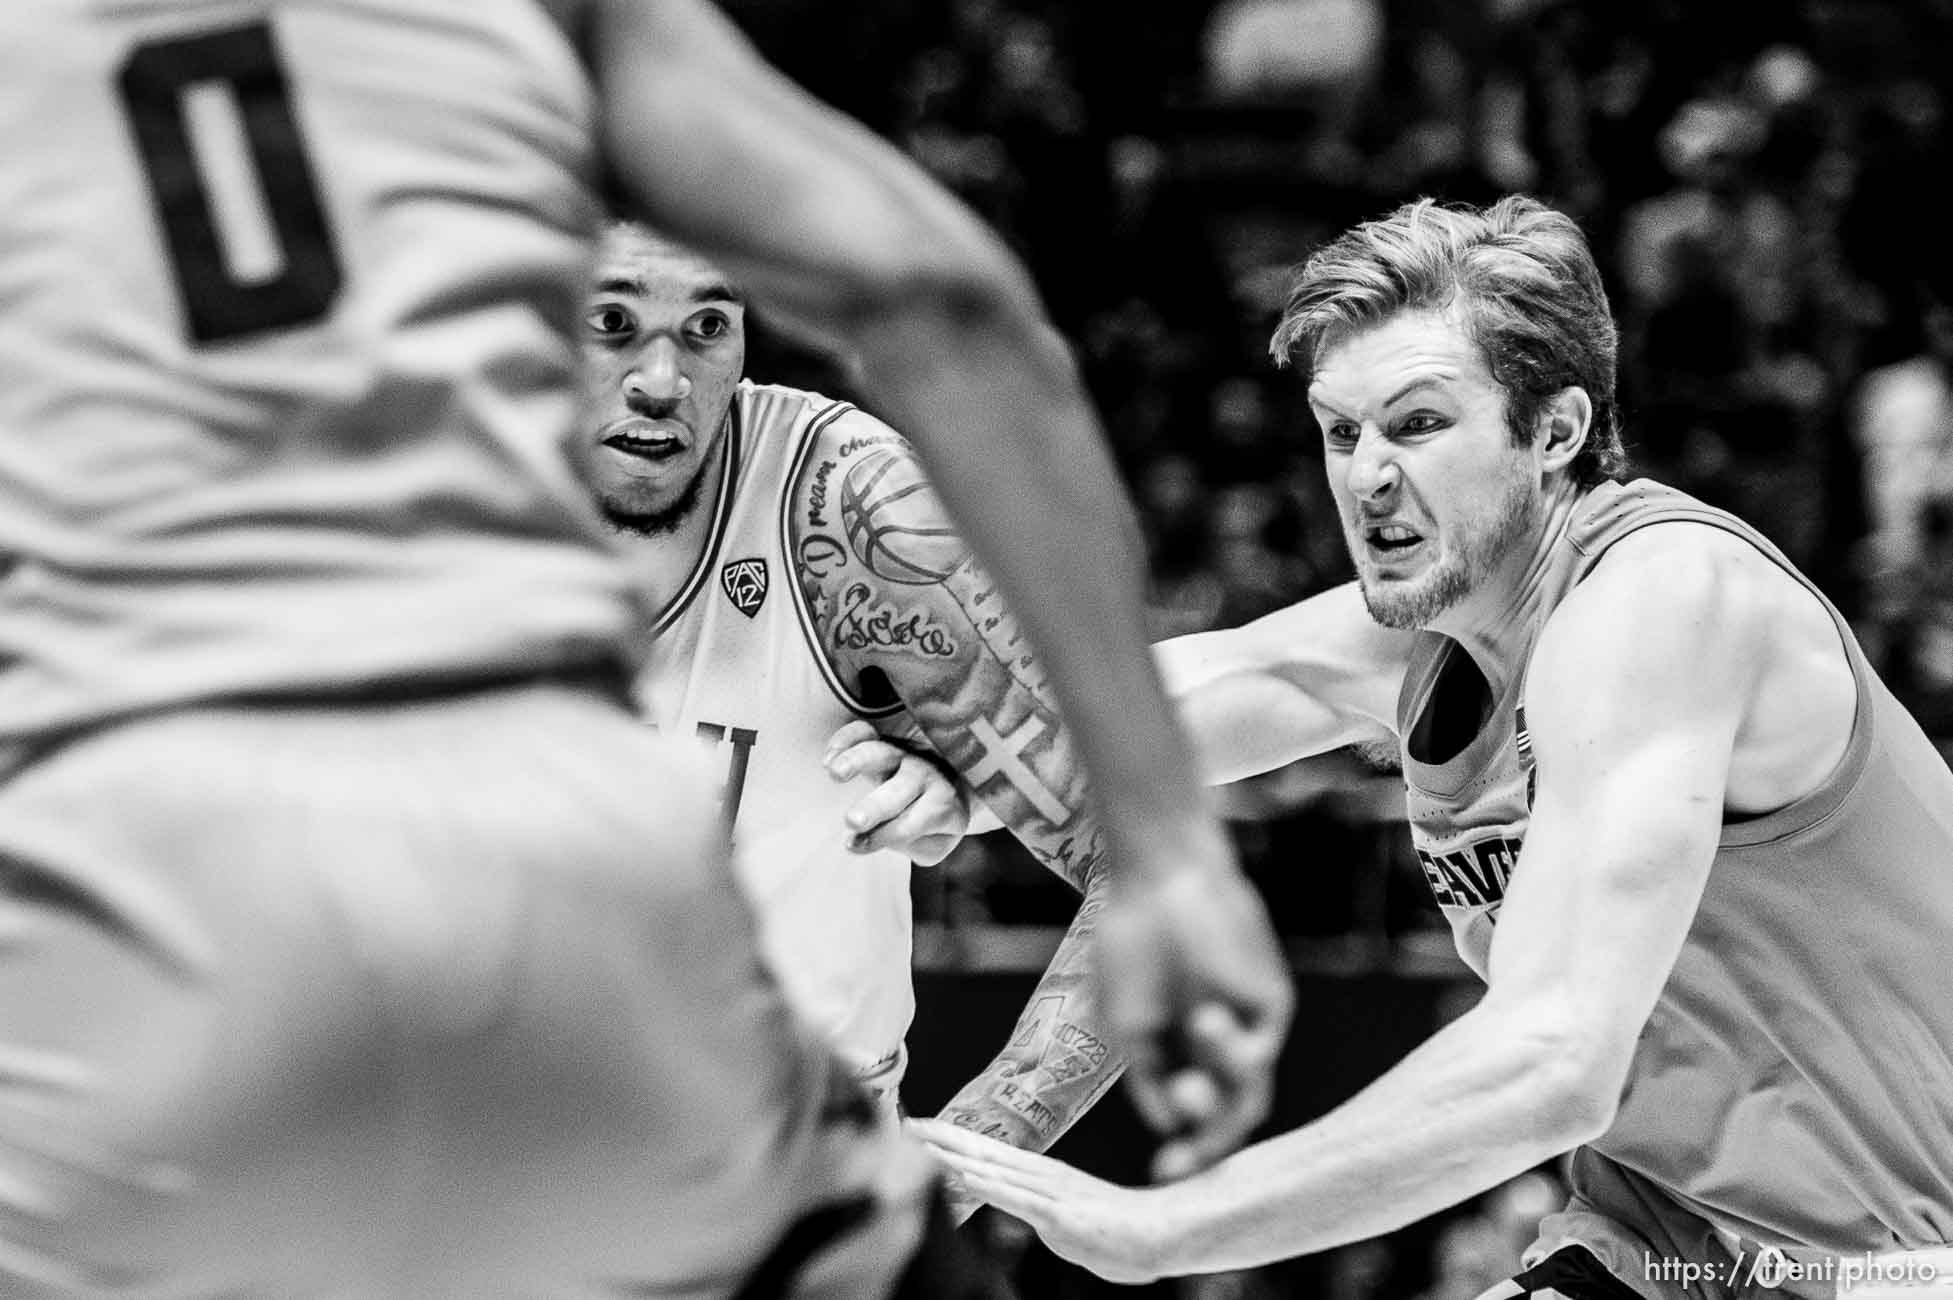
(1577, 1075)
(945, 284)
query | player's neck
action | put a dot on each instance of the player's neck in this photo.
(1497, 622)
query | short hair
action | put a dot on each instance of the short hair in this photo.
(1525, 284)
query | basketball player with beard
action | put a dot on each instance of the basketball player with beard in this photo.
(1700, 856)
(806, 576)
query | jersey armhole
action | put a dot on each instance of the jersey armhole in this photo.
(830, 671)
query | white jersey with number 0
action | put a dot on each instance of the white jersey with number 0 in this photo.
(287, 352)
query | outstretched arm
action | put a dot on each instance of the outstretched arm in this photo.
(896, 596)
(833, 228)
(1636, 693)
(1302, 681)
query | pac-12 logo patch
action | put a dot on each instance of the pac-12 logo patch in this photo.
(745, 584)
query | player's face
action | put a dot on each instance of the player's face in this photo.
(1432, 493)
(664, 344)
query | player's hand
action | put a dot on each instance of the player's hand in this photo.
(1198, 991)
(917, 808)
(1117, 1232)
(958, 1200)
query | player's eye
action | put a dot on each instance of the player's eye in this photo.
(609, 321)
(711, 326)
(1421, 423)
(1340, 433)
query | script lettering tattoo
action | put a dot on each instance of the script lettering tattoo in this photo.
(863, 622)
(865, 441)
(819, 556)
(817, 495)
(1034, 1112)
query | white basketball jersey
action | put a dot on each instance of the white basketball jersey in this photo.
(735, 663)
(288, 306)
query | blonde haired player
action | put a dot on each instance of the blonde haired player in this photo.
(335, 957)
(1701, 857)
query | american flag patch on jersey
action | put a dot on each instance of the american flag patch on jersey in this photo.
(1522, 741)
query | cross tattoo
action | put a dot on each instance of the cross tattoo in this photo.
(1001, 757)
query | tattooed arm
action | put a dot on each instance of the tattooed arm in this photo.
(1058, 1061)
(896, 598)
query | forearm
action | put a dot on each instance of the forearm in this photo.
(1481, 1102)
(1058, 1061)
(1304, 680)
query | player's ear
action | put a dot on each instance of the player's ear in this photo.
(1565, 419)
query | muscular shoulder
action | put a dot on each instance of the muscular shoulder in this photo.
(1668, 600)
(1693, 581)
(1696, 616)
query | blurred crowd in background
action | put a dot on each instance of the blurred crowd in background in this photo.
(1756, 179)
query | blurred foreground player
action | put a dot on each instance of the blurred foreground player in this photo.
(1700, 856)
(336, 955)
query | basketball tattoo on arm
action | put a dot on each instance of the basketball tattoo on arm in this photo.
(903, 612)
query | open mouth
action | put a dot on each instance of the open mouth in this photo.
(1391, 541)
(644, 439)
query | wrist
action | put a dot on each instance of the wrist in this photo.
(1166, 1219)
(1175, 1229)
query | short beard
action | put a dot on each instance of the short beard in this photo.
(1416, 605)
(1409, 607)
(655, 523)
